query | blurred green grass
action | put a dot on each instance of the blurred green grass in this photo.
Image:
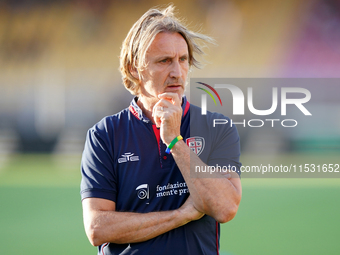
(40, 206)
(288, 218)
(42, 220)
(41, 211)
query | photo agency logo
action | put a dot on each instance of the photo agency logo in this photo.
(281, 98)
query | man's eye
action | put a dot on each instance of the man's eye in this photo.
(183, 59)
(164, 60)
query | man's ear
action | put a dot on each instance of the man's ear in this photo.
(134, 72)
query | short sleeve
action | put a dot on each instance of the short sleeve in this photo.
(97, 168)
(226, 149)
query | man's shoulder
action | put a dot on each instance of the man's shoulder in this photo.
(212, 125)
(109, 122)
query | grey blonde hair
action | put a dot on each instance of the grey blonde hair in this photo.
(142, 34)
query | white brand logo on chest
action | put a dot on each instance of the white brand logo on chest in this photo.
(143, 191)
(128, 156)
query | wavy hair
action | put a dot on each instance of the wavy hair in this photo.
(142, 34)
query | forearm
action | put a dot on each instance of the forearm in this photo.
(126, 227)
(217, 196)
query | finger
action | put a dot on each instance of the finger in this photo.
(158, 119)
(230, 174)
(157, 114)
(167, 106)
(163, 106)
(165, 103)
(172, 97)
(158, 108)
(227, 176)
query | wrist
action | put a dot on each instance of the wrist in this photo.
(173, 143)
(183, 215)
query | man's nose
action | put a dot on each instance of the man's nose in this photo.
(176, 70)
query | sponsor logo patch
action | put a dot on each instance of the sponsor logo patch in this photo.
(143, 191)
(128, 156)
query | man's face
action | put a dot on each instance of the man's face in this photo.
(167, 66)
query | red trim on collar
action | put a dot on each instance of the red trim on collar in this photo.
(158, 136)
(104, 245)
(217, 248)
(186, 109)
(134, 112)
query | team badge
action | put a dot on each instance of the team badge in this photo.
(196, 144)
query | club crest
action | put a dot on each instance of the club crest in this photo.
(196, 144)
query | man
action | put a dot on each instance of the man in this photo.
(137, 171)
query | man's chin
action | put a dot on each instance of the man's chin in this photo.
(178, 90)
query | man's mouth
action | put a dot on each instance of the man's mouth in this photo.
(175, 86)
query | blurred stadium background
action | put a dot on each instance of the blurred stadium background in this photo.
(59, 75)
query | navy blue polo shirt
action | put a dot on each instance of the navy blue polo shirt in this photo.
(124, 160)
